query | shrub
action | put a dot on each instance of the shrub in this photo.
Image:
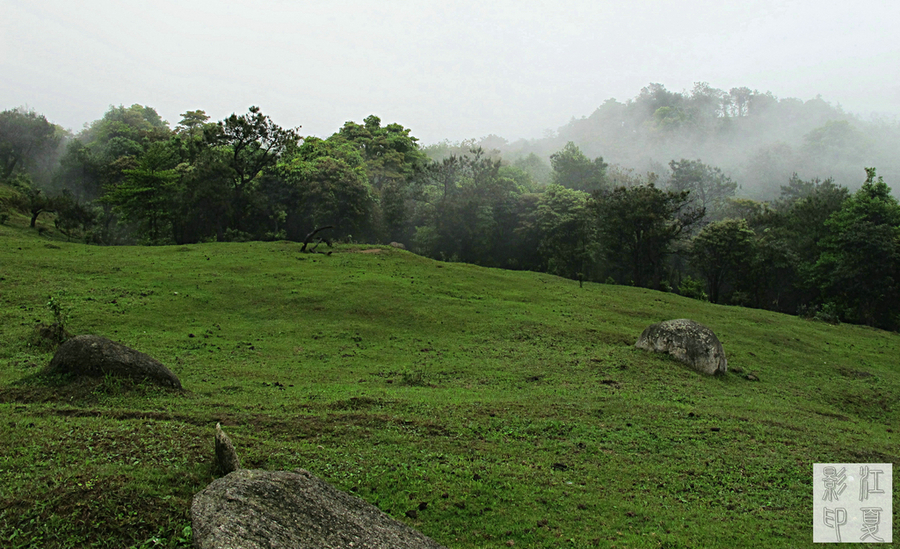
(692, 288)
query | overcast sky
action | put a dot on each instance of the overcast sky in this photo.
(448, 69)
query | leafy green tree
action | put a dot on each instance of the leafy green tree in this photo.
(788, 240)
(739, 101)
(74, 219)
(392, 156)
(322, 183)
(573, 170)
(859, 267)
(149, 193)
(80, 171)
(465, 209)
(100, 154)
(125, 131)
(390, 153)
(638, 228)
(654, 97)
(24, 137)
(567, 241)
(541, 172)
(190, 131)
(709, 187)
(204, 205)
(36, 200)
(670, 119)
(722, 252)
(250, 144)
(803, 209)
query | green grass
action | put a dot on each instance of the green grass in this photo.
(480, 406)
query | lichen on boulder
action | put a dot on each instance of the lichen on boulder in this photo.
(687, 341)
(227, 459)
(254, 509)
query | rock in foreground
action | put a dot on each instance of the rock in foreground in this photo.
(254, 509)
(97, 356)
(689, 342)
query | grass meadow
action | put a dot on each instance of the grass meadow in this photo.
(486, 408)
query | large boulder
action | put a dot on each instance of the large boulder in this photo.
(689, 342)
(97, 356)
(254, 509)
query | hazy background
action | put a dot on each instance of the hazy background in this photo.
(447, 70)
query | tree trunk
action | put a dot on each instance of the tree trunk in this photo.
(312, 234)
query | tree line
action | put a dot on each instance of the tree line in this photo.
(127, 178)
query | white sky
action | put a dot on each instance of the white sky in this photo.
(449, 69)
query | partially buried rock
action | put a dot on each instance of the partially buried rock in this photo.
(253, 509)
(226, 456)
(687, 341)
(97, 356)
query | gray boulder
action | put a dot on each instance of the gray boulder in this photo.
(96, 356)
(253, 509)
(689, 342)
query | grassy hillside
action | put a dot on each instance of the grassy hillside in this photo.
(485, 408)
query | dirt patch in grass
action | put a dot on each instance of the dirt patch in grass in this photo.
(297, 426)
(42, 388)
(854, 374)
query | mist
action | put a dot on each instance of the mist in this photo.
(451, 70)
(757, 138)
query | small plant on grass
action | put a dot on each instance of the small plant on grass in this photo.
(60, 312)
(413, 378)
(52, 336)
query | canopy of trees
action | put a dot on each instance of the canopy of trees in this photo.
(816, 248)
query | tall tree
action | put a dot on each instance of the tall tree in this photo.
(567, 241)
(709, 188)
(149, 194)
(252, 143)
(638, 227)
(721, 252)
(464, 209)
(573, 170)
(322, 183)
(100, 154)
(191, 130)
(24, 137)
(859, 267)
(392, 156)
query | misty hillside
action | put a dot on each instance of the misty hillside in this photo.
(756, 138)
(737, 197)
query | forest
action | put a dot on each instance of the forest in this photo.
(733, 197)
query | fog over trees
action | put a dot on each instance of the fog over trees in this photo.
(755, 138)
(732, 196)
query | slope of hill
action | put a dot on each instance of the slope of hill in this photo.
(480, 406)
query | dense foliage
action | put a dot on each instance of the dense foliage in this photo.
(815, 249)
